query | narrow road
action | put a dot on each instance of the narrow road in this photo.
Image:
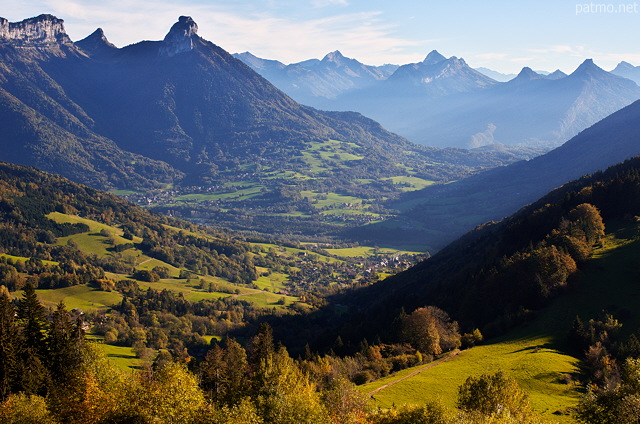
(416, 372)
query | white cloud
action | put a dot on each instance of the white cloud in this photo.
(359, 35)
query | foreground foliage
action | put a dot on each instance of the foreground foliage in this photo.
(71, 381)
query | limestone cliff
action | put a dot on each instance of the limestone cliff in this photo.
(41, 30)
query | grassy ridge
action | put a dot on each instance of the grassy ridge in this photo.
(93, 242)
(81, 296)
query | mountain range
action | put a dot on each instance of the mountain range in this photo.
(444, 102)
(498, 76)
(156, 113)
(312, 79)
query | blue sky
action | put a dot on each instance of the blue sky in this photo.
(502, 35)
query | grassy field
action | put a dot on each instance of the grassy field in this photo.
(121, 356)
(411, 183)
(320, 156)
(81, 296)
(537, 367)
(366, 251)
(330, 200)
(535, 354)
(239, 194)
(274, 281)
(292, 251)
(93, 242)
(23, 259)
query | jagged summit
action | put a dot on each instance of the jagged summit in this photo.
(433, 57)
(180, 38)
(334, 56)
(96, 43)
(627, 70)
(185, 27)
(98, 34)
(41, 30)
(624, 65)
(453, 66)
(526, 74)
(589, 68)
(555, 75)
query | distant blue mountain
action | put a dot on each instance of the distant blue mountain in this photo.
(450, 106)
(444, 102)
(627, 70)
(498, 76)
(314, 79)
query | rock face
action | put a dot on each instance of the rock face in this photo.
(43, 29)
(180, 38)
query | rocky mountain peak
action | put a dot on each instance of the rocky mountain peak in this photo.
(588, 68)
(557, 74)
(96, 42)
(433, 57)
(334, 56)
(527, 74)
(180, 38)
(623, 66)
(41, 30)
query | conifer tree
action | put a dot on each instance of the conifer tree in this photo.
(8, 344)
(33, 375)
(65, 340)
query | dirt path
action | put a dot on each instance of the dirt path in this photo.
(416, 372)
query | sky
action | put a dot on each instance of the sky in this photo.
(500, 35)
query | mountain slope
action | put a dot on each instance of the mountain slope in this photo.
(435, 76)
(182, 101)
(442, 213)
(460, 106)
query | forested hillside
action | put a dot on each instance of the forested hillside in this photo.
(496, 275)
(153, 282)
